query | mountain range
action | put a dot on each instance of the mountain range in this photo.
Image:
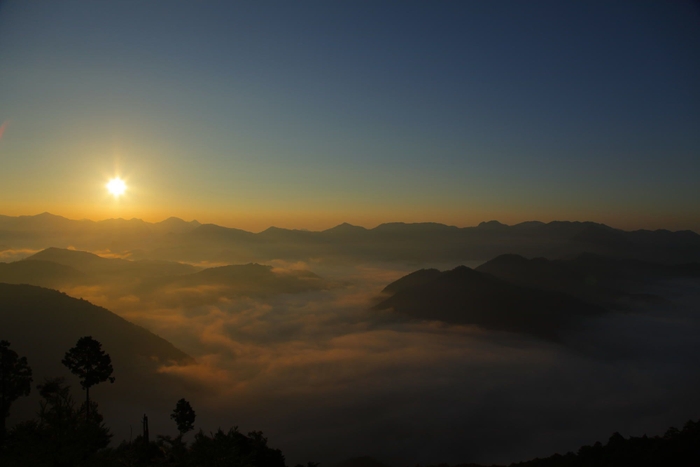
(176, 239)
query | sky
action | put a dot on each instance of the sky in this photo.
(309, 114)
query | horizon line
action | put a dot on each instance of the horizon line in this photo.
(480, 224)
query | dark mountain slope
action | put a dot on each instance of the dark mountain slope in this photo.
(42, 324)
(51, 319)
(416, 278)
(465, 296)
(561, 276)
(41, 273)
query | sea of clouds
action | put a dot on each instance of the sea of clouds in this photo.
(327, 378)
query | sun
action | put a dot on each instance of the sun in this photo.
(116, 187)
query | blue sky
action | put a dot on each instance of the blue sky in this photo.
(307, 114)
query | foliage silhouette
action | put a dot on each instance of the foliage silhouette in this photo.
(234, 449)
(677, 448)
(62, 436)
(184, 416)
(222, 448)
(90, 363)
(67, 435)
(15, 381)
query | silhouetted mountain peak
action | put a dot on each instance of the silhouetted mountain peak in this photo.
(93, 264)
(217, 232)
(48, 215)
(415, 227)
(492, 225)
(65, 256)
(461, 273)
(177, 220)
(176, 225)
(211, 228)
(466, 296)
(279, 231)
(345, 228)
(414, 279)
(507, 259)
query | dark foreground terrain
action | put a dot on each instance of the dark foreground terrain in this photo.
(61, 436)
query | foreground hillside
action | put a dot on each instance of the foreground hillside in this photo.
(42, 324)
(52, 321)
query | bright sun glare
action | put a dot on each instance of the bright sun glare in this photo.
(116, 186)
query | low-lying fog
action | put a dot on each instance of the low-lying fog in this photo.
(327, 378)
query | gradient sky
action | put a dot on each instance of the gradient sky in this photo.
(308, 114)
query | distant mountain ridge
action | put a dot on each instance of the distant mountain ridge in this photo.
(439, 242)
(51, 220)
(175, 239)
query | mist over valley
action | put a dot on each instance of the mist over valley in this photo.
(337, 356)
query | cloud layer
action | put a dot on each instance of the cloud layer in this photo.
(326, 378)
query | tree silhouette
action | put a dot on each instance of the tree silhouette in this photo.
(90, 363)
(15, 380)
(61, 436)
(184, 416)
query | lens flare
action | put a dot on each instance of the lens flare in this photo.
(116, 187)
